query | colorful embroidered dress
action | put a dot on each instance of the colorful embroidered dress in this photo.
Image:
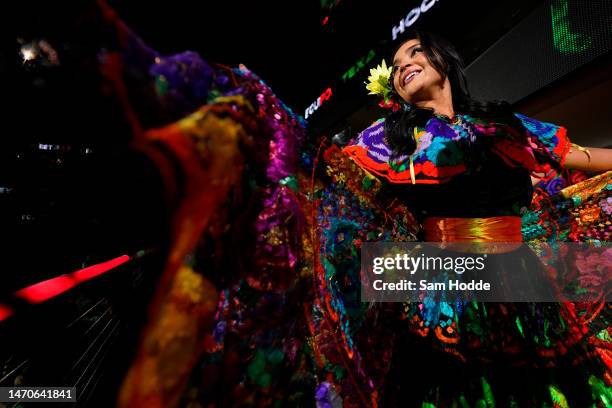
(259, 302)
(483, 166)
(453, 354)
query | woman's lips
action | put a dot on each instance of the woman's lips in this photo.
(410, 76)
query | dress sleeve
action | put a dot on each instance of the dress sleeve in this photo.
(540, 147)
(548, 142)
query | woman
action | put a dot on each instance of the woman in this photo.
(463, 168)
(428, 80)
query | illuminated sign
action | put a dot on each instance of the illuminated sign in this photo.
(358, 66)
(316, 104)
(564, 39)
(412, 16)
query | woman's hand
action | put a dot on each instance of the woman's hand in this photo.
(590, 159)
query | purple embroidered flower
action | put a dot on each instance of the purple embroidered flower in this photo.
(440, 129)
(183, 80)
(555, 185)
(327, 397)
(606, 205)
(219, 331)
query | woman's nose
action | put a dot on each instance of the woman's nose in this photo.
(400, 70)
(404, 67)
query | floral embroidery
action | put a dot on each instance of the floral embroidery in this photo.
(446, 147)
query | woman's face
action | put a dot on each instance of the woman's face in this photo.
(414, 78)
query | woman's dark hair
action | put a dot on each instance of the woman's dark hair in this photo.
(444, 58)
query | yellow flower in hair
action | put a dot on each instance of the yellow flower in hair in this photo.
(378, 81)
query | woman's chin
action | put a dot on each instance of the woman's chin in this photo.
(412, 92)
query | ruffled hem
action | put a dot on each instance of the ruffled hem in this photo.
(424, 173)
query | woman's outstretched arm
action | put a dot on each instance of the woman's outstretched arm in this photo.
(590, 159)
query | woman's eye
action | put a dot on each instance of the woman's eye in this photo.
(415, 50)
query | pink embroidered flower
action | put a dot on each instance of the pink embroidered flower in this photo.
(594, 267)
(606, 205)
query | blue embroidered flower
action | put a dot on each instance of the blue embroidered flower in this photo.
(546, 132)
(423, 143)
(443, 152)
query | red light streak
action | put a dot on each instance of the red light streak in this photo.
(5, 312)
(45, 290)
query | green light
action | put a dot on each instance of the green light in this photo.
(564, 39)
(370, 56)
(519, 326)
(600, 389)
(488, 393)
(329, 4)
(558, 399)
(358, 66)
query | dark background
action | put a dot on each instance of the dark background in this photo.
(91, 198)
(81, 202)
(69, 207)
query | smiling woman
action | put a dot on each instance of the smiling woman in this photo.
(417, 80)
(427, 74)
(463, 167)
